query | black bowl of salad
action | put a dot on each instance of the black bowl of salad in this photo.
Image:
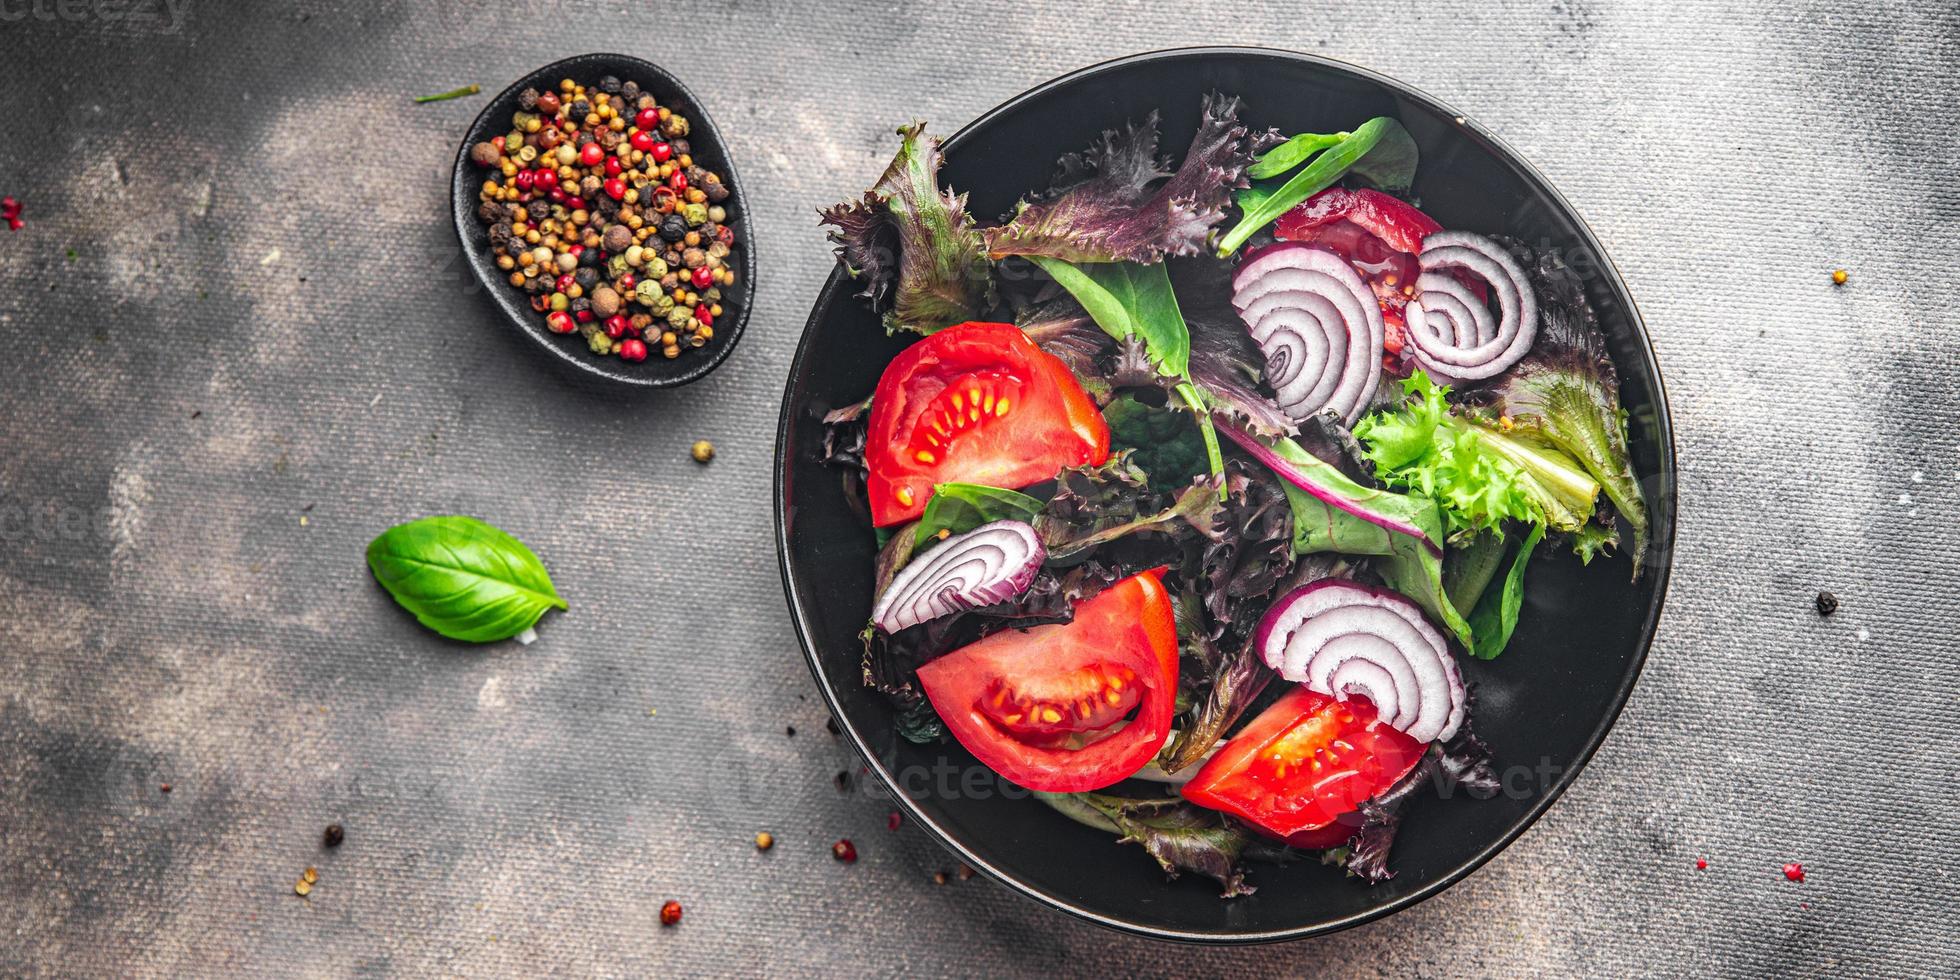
(1224, 493)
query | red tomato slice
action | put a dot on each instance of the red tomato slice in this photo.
(1394, 223)
(1303, 763)
(975, 403)
(1068, 706)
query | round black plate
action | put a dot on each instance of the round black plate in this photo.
(1543, 706)
(569, 350)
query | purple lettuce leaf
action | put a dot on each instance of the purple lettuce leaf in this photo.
(1113, 203)
(913, 246)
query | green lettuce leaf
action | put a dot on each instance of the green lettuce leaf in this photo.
(1566, 393)
(1480, 475)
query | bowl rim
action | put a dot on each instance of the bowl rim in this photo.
(728, 330)
(1662, 545)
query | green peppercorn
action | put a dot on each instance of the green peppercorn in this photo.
(678, 317)
(695, 213)
(656, 267)
(599, 342)
(616, 266)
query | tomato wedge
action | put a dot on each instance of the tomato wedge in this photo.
(1303, 763)
(1067, 706)
(974, 403)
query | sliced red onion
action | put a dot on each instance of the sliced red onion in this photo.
(991, 563)
(1451, 333)
(1341, 638)
(1306, 342)
(1289, 291)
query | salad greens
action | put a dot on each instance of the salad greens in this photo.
(1166, 447)
(1379, 150)
(956, 508)
(1112, 203)
(463, 578)
(1179, 835)
(1481, 475)
(1496, 614)
(1567, 394)
(913, 246)
(1136, 302)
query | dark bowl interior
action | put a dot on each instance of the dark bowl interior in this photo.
(1548, 701)
(568, 350)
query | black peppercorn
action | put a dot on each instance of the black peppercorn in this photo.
(673, 228)
(491, 211)
(527, 100)
(333, 836)
(590, 259)
(1827, 603)
(580, 305)
(538, 209)
(681, 147)
(629, 90)
(606, 206)
(715, 189)
(609, 84)
(500, 234)
(587, 276)
(579, 110)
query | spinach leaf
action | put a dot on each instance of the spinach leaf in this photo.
(1292, 153)
(463, 578)
(1496, 614)
(1467, 571)
(957, 508)
(1128, 301)
(1392, 170)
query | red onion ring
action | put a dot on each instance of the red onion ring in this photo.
(1293, 267)
(1440, 339)
(1342, 639)
(991, 563)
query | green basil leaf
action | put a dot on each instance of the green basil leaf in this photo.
(1292, 153)
(1130, 300)
(960, 507)
(1496, 615)
(463, 578)
(1392, 172)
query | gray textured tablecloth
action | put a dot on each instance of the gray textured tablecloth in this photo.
(235, 343)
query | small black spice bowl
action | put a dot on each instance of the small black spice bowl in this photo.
(708, 150)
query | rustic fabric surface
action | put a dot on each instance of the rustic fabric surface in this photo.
(236, 342)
